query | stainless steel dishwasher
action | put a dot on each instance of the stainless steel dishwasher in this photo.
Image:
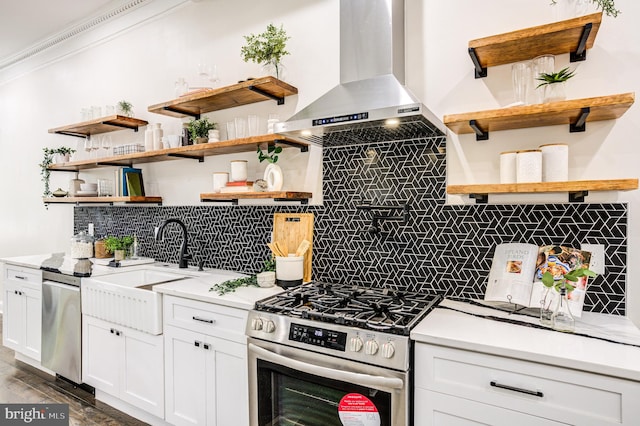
(62, 325)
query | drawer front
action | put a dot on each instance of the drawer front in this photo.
(562, 394)
(207, 318)
(29, 277)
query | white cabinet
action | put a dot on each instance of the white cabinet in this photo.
(458, 387)
(205, 364)
(22, 318)
(125, 363)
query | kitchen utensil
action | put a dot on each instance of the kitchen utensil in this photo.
(303, 247)
(282, 248)
(292, 229)
(274, 249)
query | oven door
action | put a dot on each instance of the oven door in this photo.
(289, 386)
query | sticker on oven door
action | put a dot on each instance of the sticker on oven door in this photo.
(358, 410)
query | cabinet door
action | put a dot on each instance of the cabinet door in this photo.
(436, 409)
(187, 377)
(13, 319)
(101, 355)
(32, 322)
(142, 374)
(229, 401)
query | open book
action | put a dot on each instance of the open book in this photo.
(516, 274)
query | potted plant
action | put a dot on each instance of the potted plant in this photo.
(199, 129)
(273, 173)
(125, 108)
(267, 49)
(607, 6)
(118, 246)
(49, 157)
(553, 84)
(564, 287)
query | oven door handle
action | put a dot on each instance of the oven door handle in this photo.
(339, 375)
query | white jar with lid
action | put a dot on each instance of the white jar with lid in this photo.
(529, 166)
(81, 246)
(508, 167)
(555, 162)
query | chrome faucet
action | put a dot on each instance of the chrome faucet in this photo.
(184, 256)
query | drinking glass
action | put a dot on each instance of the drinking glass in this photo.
(253, 125)
(520, 75)
(543, 64)
(105, 144)
(231, 130)
(88, 146)
(213, 75)
(241, 127)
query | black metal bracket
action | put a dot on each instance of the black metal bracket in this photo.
(64, 170)
(200, 158)
(481, 135)
(107, 163)
(301, 200)
(77, 135)
(581, 51)
(122, 125)
(181, 111)
(577, 196)
(580, 124)
(480, 71)
(303, 148)
(377, 218)
(480, 198)
(278, 99)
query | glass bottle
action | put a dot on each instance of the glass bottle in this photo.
(545, 307)
(562, 320)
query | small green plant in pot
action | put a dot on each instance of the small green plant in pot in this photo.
(553, 84)
(118, 246)
(51, 155)
(199, 129)
(267, 49)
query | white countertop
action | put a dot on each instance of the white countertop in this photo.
(461, 330)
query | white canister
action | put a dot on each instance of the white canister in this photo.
(214, 135)
(529, 166)
(555, 162)
(148, 139)
(157, 136)
(238, 170)
(289, 270)
(220, 180)
(508, 167)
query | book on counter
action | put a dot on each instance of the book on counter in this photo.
(240, 183)
(517, 268)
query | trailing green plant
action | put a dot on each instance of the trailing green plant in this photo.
(47, 160)
(572, 276)
(272, 154)
(200, 128)
(230, 286)
(266, 48)
(607, 6)
(555, 77)
(125, 108)
(112, 243)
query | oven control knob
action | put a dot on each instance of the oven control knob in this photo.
(371, 348)
(355, 344)
(388, 350)
(269, 326)
(256, 324)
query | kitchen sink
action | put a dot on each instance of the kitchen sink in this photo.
(124, 298)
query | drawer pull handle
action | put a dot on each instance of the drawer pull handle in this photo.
(197, 344)
(208, 321)
(515, 389)
(20, 277)
(206, 346)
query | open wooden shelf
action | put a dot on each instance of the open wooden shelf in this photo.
(106, 124)
(247, 92)
(577, 189)
(196, 152)
(233, 197)
(102, 200)
(572, 112)
(572, 36)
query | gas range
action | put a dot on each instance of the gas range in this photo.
(369, 325)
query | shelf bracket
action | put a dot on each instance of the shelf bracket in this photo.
(181, 111)
(480, 198)
(581, 52)
(301, 200)
(278, 99)
(480, 71)
(481, 135)
(303, 148)
(64, 170)
(124, 126)
(580, 124)
(107, 163)
(577, 196)
(200, 158)
(77, 135)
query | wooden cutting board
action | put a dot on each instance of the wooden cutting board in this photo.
(292, 228)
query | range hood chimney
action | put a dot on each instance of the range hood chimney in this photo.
(371, 103)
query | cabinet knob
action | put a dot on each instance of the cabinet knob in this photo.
(269, 326)
(256, 324)
(388, 350)
(197, 344)
(355, 344)
(371, 347)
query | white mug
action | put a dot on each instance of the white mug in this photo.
(238, 170)
(220, 180)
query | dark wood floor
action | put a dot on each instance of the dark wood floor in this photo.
(21, 383)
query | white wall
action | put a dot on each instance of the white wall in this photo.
(142, 64)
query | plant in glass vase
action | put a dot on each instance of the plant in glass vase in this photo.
(553, 84)
(560, 318)
(607, 6)
(267, 48)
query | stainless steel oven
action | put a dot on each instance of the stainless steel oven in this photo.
(350, 364)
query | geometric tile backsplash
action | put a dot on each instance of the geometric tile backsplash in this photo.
(443, 248)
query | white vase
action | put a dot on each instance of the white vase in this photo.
(273, 176)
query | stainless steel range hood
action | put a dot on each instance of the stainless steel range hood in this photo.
(371, 103)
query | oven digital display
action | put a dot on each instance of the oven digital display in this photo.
(318, 336)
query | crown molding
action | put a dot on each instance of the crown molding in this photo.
(83, 35)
